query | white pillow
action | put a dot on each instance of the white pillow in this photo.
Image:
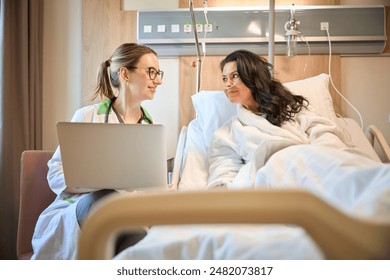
(213, 108)
(316, 90)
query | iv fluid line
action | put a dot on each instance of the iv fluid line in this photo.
(203, 43)
(331, 80)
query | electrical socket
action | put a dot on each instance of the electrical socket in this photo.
(324, 25)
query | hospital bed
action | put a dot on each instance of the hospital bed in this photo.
(346, 218)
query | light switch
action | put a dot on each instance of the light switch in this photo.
(187, 28)
(208, 28)
(199, 27)
(175, 28)
(161, 28)
(147, 29)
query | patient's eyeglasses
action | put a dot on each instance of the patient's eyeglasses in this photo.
(153, 72)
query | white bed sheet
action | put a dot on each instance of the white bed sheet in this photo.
(224, 242)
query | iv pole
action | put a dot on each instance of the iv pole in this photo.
(271, 33)
(198, 56)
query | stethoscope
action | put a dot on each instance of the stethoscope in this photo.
(143, 117)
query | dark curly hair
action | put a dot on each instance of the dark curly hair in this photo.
(275, 102)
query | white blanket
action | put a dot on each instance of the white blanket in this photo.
(244, 144)
(347, 179)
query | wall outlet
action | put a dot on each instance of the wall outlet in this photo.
(324, 25)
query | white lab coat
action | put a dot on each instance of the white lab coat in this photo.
(57, 229)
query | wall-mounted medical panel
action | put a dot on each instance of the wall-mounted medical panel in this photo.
(352, 29)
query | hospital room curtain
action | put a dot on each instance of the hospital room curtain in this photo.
(21, 33)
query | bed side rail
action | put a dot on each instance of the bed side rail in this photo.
(340, 236)
(178, 161)
(373, 133)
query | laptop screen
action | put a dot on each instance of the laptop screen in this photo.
(113, 156)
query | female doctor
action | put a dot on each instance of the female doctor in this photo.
(130, 76)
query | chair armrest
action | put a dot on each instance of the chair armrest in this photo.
(35, 196)
(373, 133)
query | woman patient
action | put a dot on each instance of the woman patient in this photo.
(130, 76)
(269, 118)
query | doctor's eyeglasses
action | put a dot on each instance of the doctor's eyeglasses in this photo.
(153, 72)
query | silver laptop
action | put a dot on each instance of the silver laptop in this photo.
(113, 156)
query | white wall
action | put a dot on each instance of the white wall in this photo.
(164, 108)
(62, 61)
(366, 84)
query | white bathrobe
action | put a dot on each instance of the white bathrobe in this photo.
(248, 135)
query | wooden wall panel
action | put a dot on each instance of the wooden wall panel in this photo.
(187, 86)
(105, 27)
